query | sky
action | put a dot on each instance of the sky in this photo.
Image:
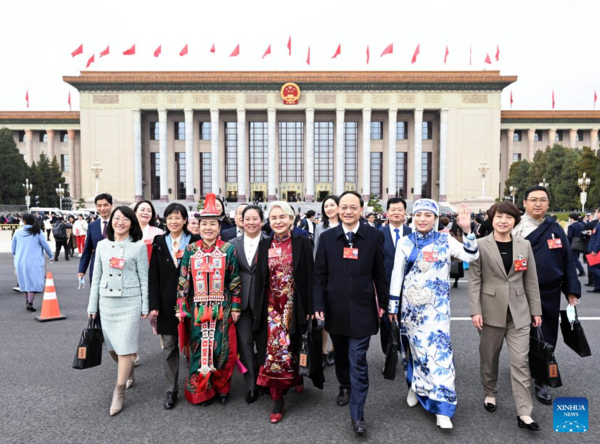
(549, 45)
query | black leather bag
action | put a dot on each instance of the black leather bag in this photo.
(578, 245)
(310, 359)
(573, 334)
(89, 350)
(391, 355)
(542, 362)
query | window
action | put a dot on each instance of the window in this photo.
(517, 136)
(43, 137)
(579, 136)
(323, 152)
(291, 151)
(401, 174)
(259, 152)
(401, 130)
(426, 185)
(22, 136)
(351, 151)
(179, 130)
(231, 165)
(64, 163)
(154, 131)
(427, 130)
(206, 170)
(64, 136)
(376, 174)
(181, 167)
(516, 157)
(559, 136)
(537, 136)
(376, 130)
(205, 129)
(155, 175)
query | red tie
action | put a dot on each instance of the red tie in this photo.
(104, 229)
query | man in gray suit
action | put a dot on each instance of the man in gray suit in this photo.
(246, 247)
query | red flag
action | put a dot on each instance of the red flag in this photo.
(130, 51)
(388, 50)
(267, 52)
(69, 100)
(368, 55)
(487, 59)
(552, 98)
(470, 55)
(27, 98)
(595, 98)
(212, 49)
(158, 51)
(78, 51)
(308, 57)
(90, 61)
(511, 98)
(497, 53)
(446, 54)
(105, 52)
(338, 51)
(414, 57)
(184, 51)
(236, 52)
(289, 45)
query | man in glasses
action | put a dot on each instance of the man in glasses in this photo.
(555, 267)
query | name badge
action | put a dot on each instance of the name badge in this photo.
(303, 359)
(117, 262)
(179, 254)
(274, 252)
(554, 243)
(351, 253)
(521, 265)
(430, 256)
(82, 353)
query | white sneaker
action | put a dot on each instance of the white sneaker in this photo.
(411, 399)
(444, 422)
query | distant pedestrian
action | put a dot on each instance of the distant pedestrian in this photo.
(59, 231)
(80, 228)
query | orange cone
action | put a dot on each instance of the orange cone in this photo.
(50, 308)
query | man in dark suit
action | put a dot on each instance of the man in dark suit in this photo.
(308, 223)
(392, 233)
(96, 232)
(351, 294)
(588, 230)
(238, 230)
(246, 247)
(574, 231)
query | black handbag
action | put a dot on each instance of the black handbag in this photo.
(391, 355)
(542, 362)
(89, 350)
(578, 245)
(311, 345)
(573, 334)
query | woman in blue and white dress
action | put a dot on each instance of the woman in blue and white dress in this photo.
(421, 278)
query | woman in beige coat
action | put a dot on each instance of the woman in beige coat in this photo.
(505, 302)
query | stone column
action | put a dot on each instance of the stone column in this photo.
(392, 136)
(190, 165)
(272, 120)
(443, 154)
(594, 139)
(573, 138)
(241, 155)
(510, 134)
(339, 151)
(72, 187)
(29, 146)
(164, 154)
(137, 155)
(214, 149)
(418, 153)
(309, 168)
(366, 154)
(551, 137)
(530, 147)
(50, 139)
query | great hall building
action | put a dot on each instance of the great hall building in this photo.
(179, 135)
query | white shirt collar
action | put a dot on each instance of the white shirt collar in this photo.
(354, 230)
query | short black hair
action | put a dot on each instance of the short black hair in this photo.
(177, 208)
(310, 213)
(536, 188)
(255, 208)
(354, 193)
(574, 216)
(324, 217)
(135, 231)
(395, 200)
(152, 222)
(104, 196)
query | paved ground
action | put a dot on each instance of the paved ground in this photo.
(45, 401)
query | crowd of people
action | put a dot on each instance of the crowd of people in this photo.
(243, 293)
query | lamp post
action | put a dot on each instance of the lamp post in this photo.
(513, 192)
(483, 169)
(96, 170)
(28, 187)
(543, 183)
(61, 192)
(584, 183)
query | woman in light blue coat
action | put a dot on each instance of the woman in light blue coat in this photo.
(28, 246)
(120, 294)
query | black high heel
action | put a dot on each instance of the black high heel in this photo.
(533, 426)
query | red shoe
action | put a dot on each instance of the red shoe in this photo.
(277, 417)
(299, 388)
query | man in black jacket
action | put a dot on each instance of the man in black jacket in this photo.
(350, 294)
(59, 231)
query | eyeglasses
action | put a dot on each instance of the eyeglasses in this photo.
(353, 208)
(535, 200)
(121, 219)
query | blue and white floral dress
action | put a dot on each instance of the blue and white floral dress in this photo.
(421, 277)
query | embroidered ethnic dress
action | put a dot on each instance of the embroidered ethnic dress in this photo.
(280, 369)
(420, 277)
(209, 290)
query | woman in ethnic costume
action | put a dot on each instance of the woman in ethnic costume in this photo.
(420, 278)
(208, 303)
(283, 301)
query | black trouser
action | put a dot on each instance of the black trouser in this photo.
(245, 344)
(61, 243)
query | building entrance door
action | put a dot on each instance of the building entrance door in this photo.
(291, 196)
(322, 196)
(232, 196)
(258, 196)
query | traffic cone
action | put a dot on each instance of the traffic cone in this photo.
(50, 308)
